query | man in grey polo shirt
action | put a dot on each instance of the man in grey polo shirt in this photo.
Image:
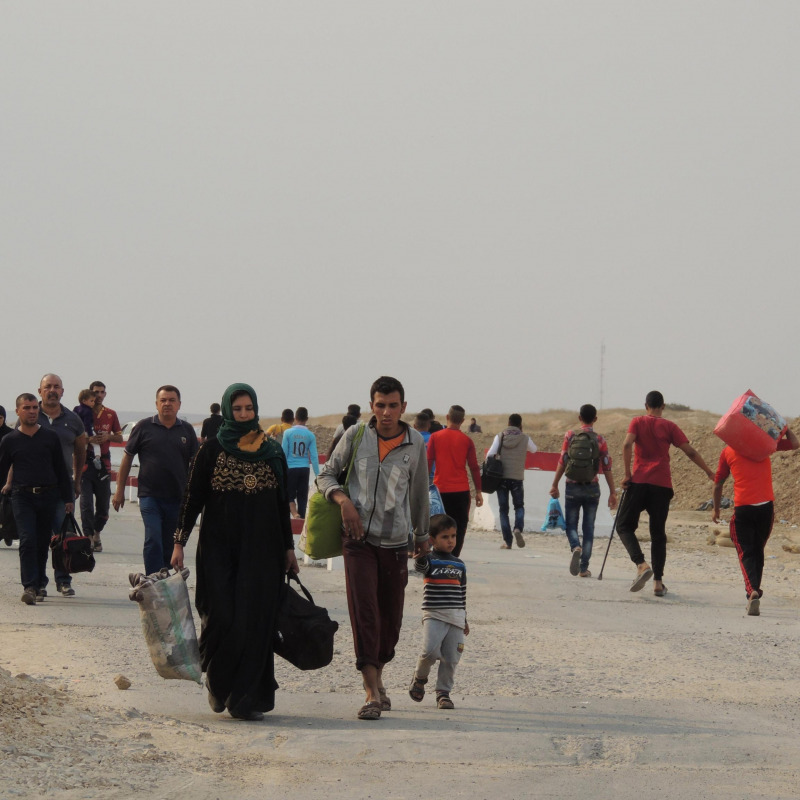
(165, 446)
(70, 431)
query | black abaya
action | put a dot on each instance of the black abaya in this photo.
(244, 535)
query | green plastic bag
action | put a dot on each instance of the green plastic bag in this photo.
(322, 537)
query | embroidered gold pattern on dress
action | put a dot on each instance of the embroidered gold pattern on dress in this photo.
(233, 475)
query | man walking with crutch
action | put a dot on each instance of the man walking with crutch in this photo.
(649, 487)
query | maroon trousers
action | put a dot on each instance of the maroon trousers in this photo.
(376, 579)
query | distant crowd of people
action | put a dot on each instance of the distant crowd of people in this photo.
(246, 484)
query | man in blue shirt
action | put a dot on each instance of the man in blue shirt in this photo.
(300, 447)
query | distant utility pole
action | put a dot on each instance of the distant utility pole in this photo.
(602, 369)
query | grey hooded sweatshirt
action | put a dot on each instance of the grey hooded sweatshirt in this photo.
(391, 496)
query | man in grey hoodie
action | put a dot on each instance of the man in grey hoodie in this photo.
(388, 498)
(515, 447)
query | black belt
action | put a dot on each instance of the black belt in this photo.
(36, 489)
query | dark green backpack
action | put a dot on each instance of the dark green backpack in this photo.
(583, 457)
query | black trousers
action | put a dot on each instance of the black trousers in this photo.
(751, 527)
(655, 501)
(456, 505)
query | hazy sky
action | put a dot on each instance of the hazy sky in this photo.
(470, 196)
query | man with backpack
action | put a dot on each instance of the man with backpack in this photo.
(584, 454)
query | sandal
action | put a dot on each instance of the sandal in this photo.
(641, 579)
(417, 689)
(386, 703)
(443, 700)
(370, 710)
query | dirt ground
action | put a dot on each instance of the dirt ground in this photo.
(568, 687)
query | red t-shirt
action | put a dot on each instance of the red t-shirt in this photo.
(752, 480)
(654, 435)
(452, 451)
(107, 422)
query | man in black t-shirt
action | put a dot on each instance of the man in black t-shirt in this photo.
(40, 479)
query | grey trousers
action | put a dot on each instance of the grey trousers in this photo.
(444, 643)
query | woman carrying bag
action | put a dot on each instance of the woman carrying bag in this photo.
(238, 481)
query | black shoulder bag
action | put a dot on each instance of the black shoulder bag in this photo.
(492, 471)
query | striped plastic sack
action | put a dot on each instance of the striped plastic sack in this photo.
(168, 624)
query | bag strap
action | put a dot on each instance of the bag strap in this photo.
(500, 448)
(356, 442)
(68, 525)
(78, 531)
(292, 576)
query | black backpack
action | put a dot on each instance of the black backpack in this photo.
(304, 631)
(583, 457)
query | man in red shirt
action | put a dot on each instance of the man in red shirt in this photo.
(649, 487)
(453, 451)
(751, 523)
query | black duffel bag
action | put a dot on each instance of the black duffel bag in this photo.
(304, 632)
(492, 471)
(71, 550)
(491, 474)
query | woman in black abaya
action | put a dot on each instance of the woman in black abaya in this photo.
(238, 481)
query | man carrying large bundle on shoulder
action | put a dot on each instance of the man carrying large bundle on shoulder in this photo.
(753, 511)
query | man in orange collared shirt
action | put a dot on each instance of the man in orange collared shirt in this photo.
(753, 514)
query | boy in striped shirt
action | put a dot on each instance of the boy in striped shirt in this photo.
(444, 611)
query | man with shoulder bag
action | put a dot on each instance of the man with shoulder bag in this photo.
(388, 497)
(515, 448)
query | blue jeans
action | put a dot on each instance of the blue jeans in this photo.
(517, 490)
(33, 514)
(585, 496)
(160, 517)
